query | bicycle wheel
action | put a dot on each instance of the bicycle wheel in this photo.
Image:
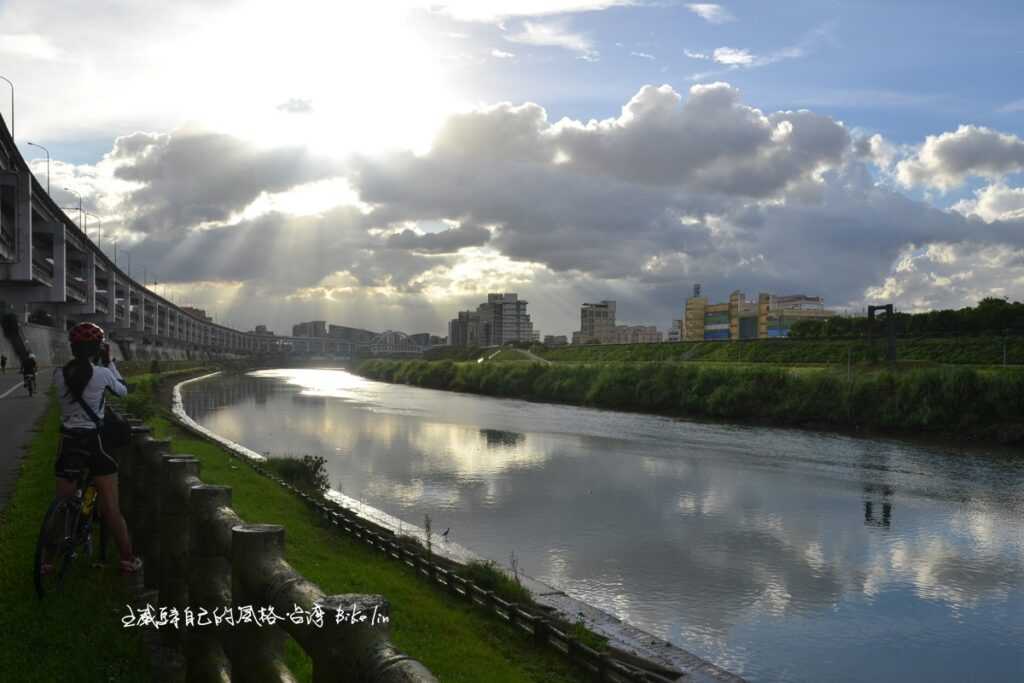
(55, 546)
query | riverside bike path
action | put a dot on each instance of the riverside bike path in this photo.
(19, 415)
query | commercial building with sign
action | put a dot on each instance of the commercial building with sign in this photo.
(769, 316)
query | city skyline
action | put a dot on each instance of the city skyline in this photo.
(579, 152)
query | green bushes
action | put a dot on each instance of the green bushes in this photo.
(975, 351)
(308, 473)
(487, 575)
(929, 399)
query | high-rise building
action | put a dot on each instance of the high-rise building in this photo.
(597, 323)
(314, 328)
(502, 319)
(636, 334)
(197, 313)
(769, 316)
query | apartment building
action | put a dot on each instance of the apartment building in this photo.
(314, 328)
(769, 316)
(500, 320)
(597, 324)
(636, 334)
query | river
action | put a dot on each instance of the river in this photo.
(780, 555)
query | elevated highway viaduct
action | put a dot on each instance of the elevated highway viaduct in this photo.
(53, 274)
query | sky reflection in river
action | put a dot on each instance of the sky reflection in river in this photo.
(781, 555)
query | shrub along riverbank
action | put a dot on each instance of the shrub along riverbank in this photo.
(951, 350)
(969, 403)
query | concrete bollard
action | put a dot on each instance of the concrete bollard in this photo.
(209, 582)
(147, 495)
(127, 471)
(256, 651)
(354, 644)
(178, 475)
(351, 643)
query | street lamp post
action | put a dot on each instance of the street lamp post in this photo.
(2, 78)
(99, 232)
(47, 164)
(81, 218)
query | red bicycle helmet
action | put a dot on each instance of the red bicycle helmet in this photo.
(83, 333)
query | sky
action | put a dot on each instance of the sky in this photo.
(385, 167)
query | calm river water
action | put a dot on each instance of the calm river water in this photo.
(779, 555)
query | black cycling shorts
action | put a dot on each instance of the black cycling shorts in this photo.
(82, 448)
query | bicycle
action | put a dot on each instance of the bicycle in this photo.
(30, 383)
(67, 529)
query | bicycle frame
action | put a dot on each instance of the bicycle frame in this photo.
(76, 534)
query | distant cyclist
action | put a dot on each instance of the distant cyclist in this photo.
(78, 382)
(28, 372)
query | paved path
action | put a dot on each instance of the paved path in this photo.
(18, 417)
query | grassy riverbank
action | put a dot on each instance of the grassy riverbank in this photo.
(77, 635)
(966, 401)
(927, 350)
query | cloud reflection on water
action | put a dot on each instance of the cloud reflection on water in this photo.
(720, 538)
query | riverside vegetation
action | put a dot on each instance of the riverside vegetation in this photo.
(973, 402)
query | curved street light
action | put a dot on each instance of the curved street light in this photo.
(99, 234)
(3, 78)
(81, 222)
(47, 164)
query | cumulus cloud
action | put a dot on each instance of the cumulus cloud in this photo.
(710, 12)
(501, 54)
(554, 34)
(679, 187)
(995, 202)
(945, 161)
(878, 150)
(189, 177)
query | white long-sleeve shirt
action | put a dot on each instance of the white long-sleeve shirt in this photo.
(73, 416)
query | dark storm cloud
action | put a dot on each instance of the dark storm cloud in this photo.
(447, 241)
(190, 177)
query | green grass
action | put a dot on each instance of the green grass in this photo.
(455, 641)
(74, 637)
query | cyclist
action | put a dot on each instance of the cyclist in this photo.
(28, 371)
(78, 382)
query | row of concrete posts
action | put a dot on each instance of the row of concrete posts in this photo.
(198, 554)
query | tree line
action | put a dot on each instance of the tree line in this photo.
(992, 316)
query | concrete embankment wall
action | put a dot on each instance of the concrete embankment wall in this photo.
(50, 346)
